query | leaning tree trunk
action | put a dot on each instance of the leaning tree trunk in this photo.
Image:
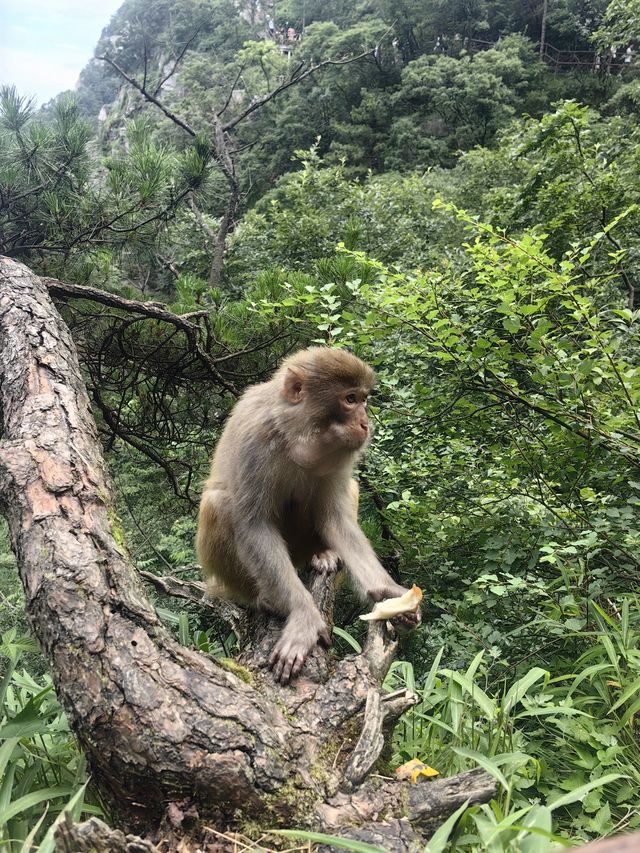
(160, 723)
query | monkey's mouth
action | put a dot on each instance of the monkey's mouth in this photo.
(357, 442)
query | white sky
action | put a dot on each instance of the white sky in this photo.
(44, 44)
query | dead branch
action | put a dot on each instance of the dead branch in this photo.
(151, 310)
(292, 81)
(154, 310)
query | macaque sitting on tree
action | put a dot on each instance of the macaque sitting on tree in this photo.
(280, 495)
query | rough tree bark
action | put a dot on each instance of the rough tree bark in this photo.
(160, 723)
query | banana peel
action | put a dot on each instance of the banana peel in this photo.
(392, 607)
(415, 768)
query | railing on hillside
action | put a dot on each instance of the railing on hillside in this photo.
(570, 60)
(558, 60)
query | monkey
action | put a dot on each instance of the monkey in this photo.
(280, 495)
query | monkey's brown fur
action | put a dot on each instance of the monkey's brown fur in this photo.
(280, 495)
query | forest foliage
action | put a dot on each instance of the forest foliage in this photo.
(466, 219)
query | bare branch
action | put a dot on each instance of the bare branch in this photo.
(378, 710)
(380, 648)
(115, 425)
(152, 98)
(222, 157)
(231, 91)
(177, 62)
(63, 289)
(221, 151)
(192, 591)
(202, 222)
(146, 61)
(370, 743)
(153, 311)
(292, 81)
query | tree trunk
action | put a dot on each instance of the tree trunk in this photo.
(160, 723)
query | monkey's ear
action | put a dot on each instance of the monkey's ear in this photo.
(294, 385)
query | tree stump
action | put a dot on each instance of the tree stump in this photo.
(162, 724)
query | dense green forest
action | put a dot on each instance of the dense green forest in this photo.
(451, 191)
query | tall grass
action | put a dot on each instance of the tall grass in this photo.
(42, 770)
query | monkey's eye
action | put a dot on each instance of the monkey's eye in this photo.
(351, 398)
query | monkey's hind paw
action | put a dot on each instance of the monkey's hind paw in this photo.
(325, 562)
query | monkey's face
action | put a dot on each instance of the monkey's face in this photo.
(328, 393)
(349, 423)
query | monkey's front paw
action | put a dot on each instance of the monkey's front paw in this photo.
(325, 562)
(403, 621)
(292, 649)
(392, 590)
(407, 621)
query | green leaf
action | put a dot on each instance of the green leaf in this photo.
(183, 629)
(28, 721)
(536, 832)
(346, 636)
(333, 840)
(632, 690)
(6, 788)
(438, 841)
(168, 615)
(30, 800)
(6, 751)
(512, 324)
(630, 712)
(477, 694)
(74, 808)
(484, 762)
(520, 688)
(27, 845)
(583, 790)
(6, 678)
